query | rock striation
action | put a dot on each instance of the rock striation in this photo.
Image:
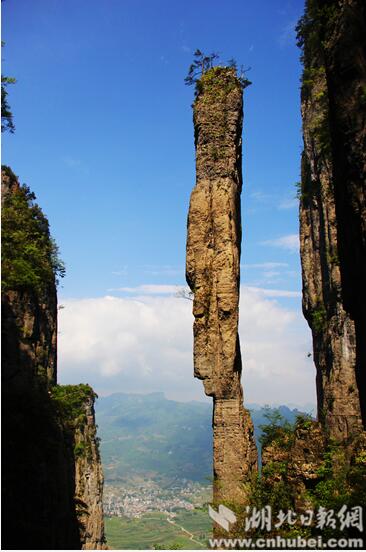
(345, 62)
(74, 405)
(46, 475)
(89, 480)
(332, 201)
(316, 461)
(213, 275)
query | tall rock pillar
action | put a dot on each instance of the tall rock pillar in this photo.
(213, 275)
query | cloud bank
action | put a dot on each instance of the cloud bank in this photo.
(289, 242)
(141, 344)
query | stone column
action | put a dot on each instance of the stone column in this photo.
(213, 274)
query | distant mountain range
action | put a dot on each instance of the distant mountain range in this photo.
(153, 437)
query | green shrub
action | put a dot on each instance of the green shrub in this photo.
(79, 449)
(319, 318)
(278, 429)
(303, 421)
(30, 258)
(70, 402)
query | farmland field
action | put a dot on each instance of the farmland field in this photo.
(155, 529)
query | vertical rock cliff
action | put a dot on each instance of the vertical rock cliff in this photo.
(313, 463)
(213, 275)
(89, 482)
(337, 328)
(74, 405)
(44, 476)
(345, 62)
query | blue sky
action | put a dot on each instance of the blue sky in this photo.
(104, 135)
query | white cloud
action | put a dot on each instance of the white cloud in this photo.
(149, 289)
(261, 197)
(266, 266)
(71, 162)
(288, 34)
(122, 272)
(273, 292)
(145, 345)
(163, 270)
(288, 203)
(289, 242)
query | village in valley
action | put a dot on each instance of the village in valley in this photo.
(134, 500)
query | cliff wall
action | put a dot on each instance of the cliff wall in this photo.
(336, 326)
(44, 476)
(213, 274)
(321, 464)
(74, 405)
(345, 63)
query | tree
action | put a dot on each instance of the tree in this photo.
(200, 65)
(184, 293)
(276, 428)
(6, 114)
(29, 256)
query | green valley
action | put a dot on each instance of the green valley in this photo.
(157, 461)
(186, 530)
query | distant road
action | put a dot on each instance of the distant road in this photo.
(191, 536)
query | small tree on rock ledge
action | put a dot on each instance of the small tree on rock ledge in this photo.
(200, 65)
(203, 63)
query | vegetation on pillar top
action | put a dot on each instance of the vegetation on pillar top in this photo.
(206, 76)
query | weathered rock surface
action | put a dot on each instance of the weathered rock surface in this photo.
(89, 482)
(345, 62)
(43, 478)
(296, 463)
(213, 273)
(334, 325)
(333, 256)
(38, 469)
(29, 327)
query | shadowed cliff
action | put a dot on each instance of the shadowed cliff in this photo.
(321, 464)
(332, 207)
(52, 479)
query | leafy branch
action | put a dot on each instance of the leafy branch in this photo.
(203, 63)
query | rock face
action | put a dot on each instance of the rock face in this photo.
(38, 470)
(345, 61)
(332, 201)
(74, 405)
(213, 274)
(89, 481)
(29, 326)
(295, 462)
(43, 476)
(328, 454)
